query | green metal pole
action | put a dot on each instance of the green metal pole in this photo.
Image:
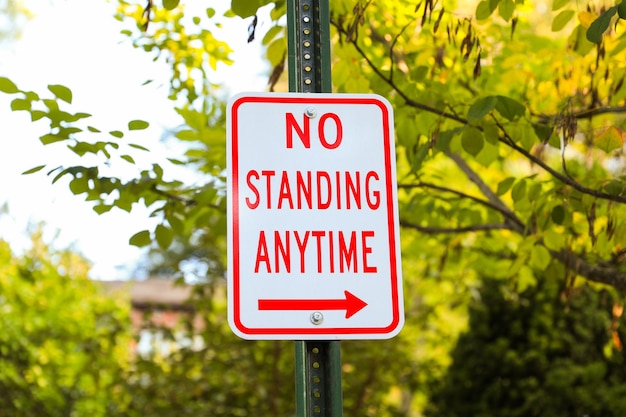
(308, 27)
(318, 379)
(318, 363)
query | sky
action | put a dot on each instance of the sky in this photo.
(77, 44)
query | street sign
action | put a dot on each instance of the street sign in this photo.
(312, 217)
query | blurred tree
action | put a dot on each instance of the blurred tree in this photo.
(548, 351)
(63, 346)
(13, 14)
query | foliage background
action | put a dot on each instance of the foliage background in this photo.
(511, 201)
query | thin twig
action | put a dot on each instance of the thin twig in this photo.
(455, 230)
(508, 214)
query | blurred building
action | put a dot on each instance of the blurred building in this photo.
(157, 307)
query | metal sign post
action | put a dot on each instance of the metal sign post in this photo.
(318, 363)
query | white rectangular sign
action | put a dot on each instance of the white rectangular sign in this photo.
(313, 231)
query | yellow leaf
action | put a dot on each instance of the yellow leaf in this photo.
(609, 139)
(586, 18)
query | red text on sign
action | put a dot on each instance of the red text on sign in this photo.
(335, 251)
(319, 190)
(304, 131)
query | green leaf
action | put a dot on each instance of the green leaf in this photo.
(506, 9)
(142, 148)
(578, 41)
(33, 170)
(491, 133)
(524, 134)
(187, 134)
(488, 154)
(481, 108)
(128, 158)
(505, 185)
(271, 34)
(554, 240)
(543, 132)
(472, 140)
(557, 4)
(540, 257)
(444, 138)
(483, 10)
(276, 51)
(525, 278)
(609, 139)
(61, 92)
(621, 10)
(117, 134)
(509, 108)
(519, 191)
(79, 185)
(558, 214)
(37, 115)
(614, 187)
(176, 224)
(20, 104)
(534, 191)
(79, 116)
(600, 25)
(52, 105)
(140, 239)
(7, 86)
(170, 4)
(138, 125)
(246, 8)
(93, 129)
(562, 19)
(102, 208)
(164, 236)
(49, 138)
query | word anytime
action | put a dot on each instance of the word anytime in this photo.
(335, 251)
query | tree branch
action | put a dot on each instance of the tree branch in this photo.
(187, 202)
(508, 141)
(455, 230)
(585, 113)
(493, 198)
(601, 274)
(408, 101)
(610, 275)
(508, 214)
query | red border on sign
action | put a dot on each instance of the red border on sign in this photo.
(234, 201)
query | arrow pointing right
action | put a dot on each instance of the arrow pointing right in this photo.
(351, 303)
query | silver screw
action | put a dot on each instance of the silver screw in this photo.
(317, 318)
(306, 19)
(310, 112)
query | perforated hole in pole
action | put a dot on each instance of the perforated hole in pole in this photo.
(307, 45)
(316, 370)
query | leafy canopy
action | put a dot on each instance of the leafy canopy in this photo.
(509, 130)
(64, 346)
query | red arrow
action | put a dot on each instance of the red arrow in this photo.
(351, 303)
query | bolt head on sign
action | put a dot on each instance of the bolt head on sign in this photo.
(313, 234)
